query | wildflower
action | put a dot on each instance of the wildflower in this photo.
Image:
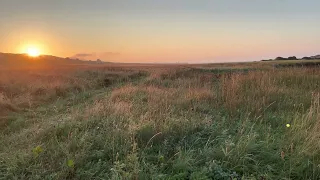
(288, 125)
(70, 163)
(37, 150)
(161, 158)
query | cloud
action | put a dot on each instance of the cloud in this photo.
(106, 54)
(82, 55)
(93, 56)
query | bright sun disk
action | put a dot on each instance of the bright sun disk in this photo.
(33, 52)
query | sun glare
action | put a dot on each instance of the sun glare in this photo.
(33, 51)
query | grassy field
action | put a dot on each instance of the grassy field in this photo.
(218, 121)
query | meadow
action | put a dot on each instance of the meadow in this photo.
(143, 121)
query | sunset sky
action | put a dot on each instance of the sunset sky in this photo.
(162, 30)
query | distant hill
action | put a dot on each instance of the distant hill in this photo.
(22, 60)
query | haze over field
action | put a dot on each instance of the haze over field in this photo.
(161, 31)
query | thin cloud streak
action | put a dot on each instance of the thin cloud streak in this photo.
(93, 56)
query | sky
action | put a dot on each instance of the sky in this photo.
(162, 31)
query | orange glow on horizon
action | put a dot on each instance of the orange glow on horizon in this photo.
(151, 47)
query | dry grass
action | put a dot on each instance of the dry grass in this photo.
(199, 94)
(303, 137)
(122, 108)
(159, 122)
(123, 93)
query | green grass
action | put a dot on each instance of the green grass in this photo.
(183, 123)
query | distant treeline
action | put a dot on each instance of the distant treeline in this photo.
(299, 64)
(294, 58)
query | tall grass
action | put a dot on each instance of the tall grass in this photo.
(169, 123)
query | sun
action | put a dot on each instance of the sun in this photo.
(33, 51)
